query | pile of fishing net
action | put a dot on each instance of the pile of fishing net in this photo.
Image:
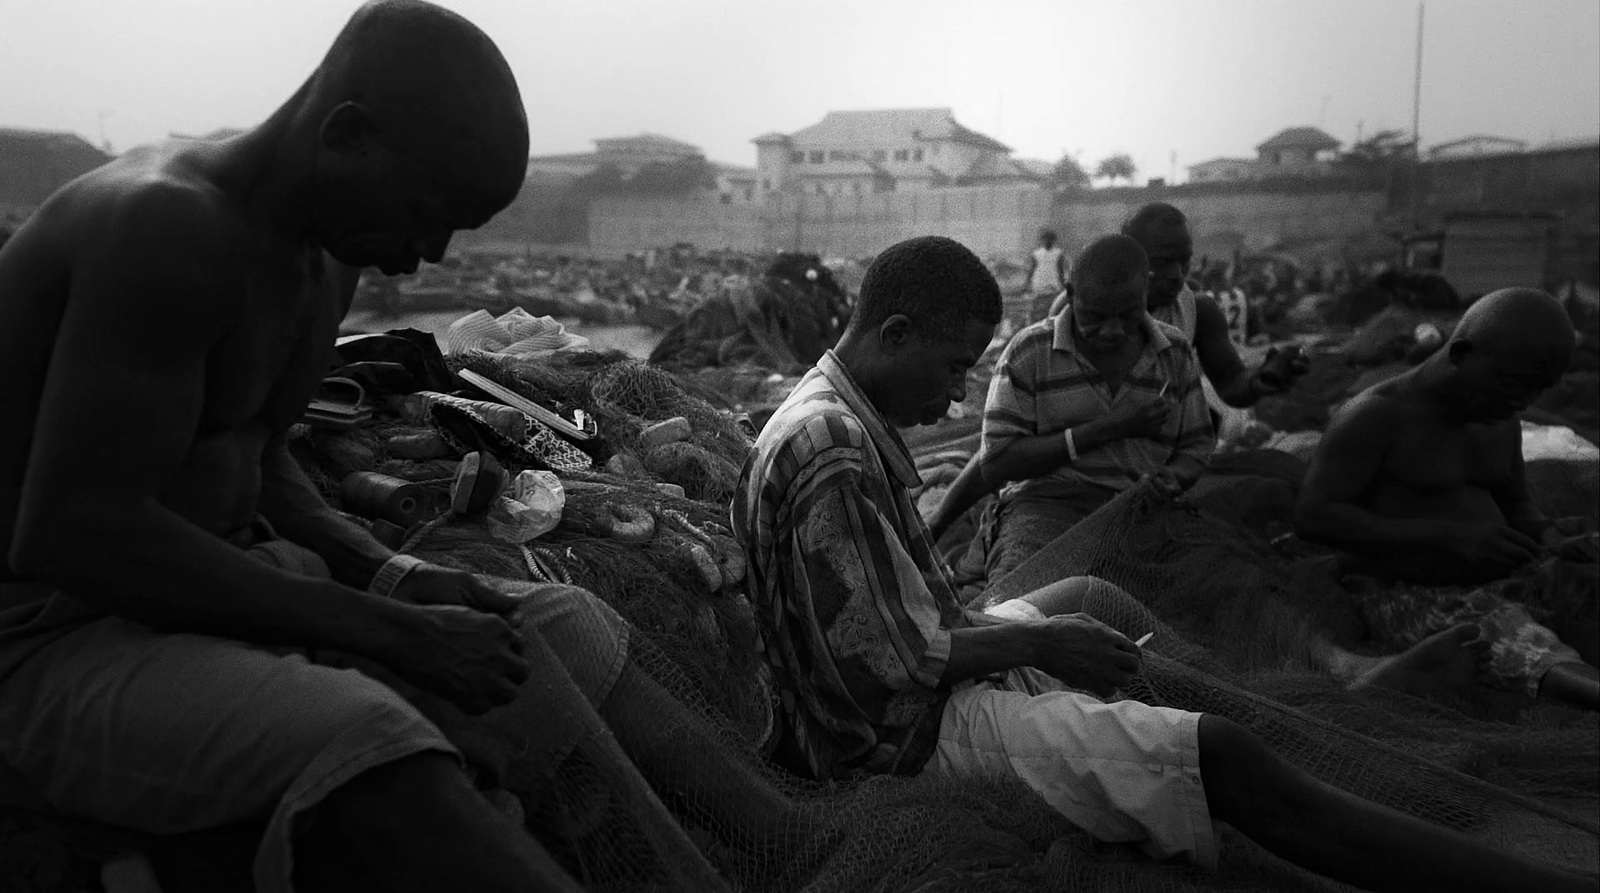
(727, 820)
(780, 323)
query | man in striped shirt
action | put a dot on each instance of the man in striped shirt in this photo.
(1086, 404)
(881, 671)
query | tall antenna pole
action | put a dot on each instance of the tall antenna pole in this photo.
(1416, 122)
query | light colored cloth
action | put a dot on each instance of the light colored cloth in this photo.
(854, 604)
(515, 333)
(168, 733)
(1183, 315)
(1014, 609)
(1124, 772)
(1044, 385)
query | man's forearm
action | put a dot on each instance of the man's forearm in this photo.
(152, 566)
(1035, 456)
(1355, 529)
(983, 650)
(299, 514)
(1239, 391)
(970, 486)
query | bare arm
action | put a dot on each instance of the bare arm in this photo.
(1518, 507)
(131, 358)
(300, 514)
(1347, 463)
(1218, 357)
(1075, 648)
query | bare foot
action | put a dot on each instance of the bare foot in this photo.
(1444, 663)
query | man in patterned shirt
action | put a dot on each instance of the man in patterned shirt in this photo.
(881, 671)
(1084, 405)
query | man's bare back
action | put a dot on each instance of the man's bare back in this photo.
(243, 335)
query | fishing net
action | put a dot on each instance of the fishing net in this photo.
(661, 785)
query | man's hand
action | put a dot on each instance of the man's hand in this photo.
(471, 658)
(1085, 653)
(1492, 547)
(1141, 418)
(431, 584)
(1573, 539)
(1279, 370)
(1163, 484)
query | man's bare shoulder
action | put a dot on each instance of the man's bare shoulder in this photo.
(1372, 411)
(155, 195)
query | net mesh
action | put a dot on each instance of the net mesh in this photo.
(661, 786)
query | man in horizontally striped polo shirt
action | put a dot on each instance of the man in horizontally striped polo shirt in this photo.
(1086, 404)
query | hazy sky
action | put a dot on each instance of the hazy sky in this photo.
(1199, 78)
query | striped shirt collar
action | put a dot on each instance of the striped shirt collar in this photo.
(890, 446)
(1066, 340)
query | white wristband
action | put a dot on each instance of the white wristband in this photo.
(393, 571)
(1072, 446)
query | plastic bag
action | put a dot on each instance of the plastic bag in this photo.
(530, 507)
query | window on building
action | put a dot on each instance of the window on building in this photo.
(766, 185)
(880, 155)
(797, 157)
(857, 187)
(900, 155)
(935, 150)
(727, 199)
(817, 157)
(916, 155)
(836, 155)
(749, 194)
(821, 190)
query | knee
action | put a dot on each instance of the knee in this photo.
(1241, 774)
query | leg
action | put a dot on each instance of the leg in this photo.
(1332, 833)
(1445, 663)
(417, 824)
(1573, 683)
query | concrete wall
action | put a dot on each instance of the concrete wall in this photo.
(989, 220)
(1254, 219)
(620, 224)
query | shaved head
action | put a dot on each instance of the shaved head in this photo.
(433, 83)
(1110, 263)
(1522, 325)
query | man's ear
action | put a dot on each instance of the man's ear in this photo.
(894, 332)
(350, 127)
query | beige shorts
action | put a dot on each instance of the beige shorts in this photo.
(1123, 772)
(167, 733)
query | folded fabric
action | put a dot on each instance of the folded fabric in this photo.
(467, 427)
(516, 333)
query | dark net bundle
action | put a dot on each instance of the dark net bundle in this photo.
(1247, 616)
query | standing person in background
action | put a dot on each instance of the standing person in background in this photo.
(1047, 274)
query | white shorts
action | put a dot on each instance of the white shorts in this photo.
(1124, 772)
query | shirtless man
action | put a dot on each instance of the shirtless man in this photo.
(1420, 479)
(168, 568)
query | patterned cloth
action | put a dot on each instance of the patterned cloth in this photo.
(1043, 385)
(854, 605)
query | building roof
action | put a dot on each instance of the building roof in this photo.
(652, 140)
(1299, 138)
(1220, 162)
(876, 128)
(1581, 142)
(734, 171)
(1477, 139)
(573, 157)
(45, 140)
(999, 167)
(771, 137)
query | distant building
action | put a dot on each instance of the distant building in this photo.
(35, 163)
(628, 154)
(1222, 170)
(887, 150)
(1296, 152)
(1472, 146)
(736, 184)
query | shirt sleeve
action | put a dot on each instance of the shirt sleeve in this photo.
(869, 605)
(1191, 452)
(1011, 410)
